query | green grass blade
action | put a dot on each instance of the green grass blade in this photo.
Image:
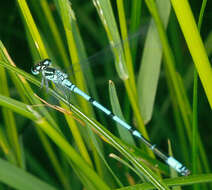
(136, 7)
(70, 27)
(208, 44)
(169, 62)
(25, 111)
(54, 160)
(140, 166)
(98, 147)
(72, 154)
(21, 84)
(106, 15)
(16, 106)
(76, 49)
(124, 34)
(135, 22)
(10, 124)
(181, 181)
(77, 137)
(150, 64)
(195, 44)
(172, 77)
(195, 109)
(54, 30)
(9, 120)
(36, 167)
(32, 28)
(127, 165)
(179, 123)
(4, 145)
(77, 53)
(20, 179)
(124, 134)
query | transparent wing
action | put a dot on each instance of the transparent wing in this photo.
(105, 56)
(100, 62)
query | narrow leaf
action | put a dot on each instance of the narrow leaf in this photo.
(125, 135)
(20, 179)
(150, 64)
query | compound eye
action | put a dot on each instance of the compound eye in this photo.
(46, 62)
(35, 70)
(65, 76)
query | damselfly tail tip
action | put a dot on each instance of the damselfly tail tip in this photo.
(185, 171)
(177, 166)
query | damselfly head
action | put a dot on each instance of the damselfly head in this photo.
(42, 65)
(46, 62)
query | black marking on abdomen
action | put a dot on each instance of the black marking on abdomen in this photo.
(131, 130)
(91, 100)
(50, 70)
(111, 115)
(69, 86)
(48, 74)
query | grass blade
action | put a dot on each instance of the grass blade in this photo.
(32, 28)
(124, 134)
(195, 44)
(195, 110)
(150, 64)
(182, 181)
(20, 179)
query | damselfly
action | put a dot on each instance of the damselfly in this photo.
(58, 77)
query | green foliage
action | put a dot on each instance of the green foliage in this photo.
(61, 142)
